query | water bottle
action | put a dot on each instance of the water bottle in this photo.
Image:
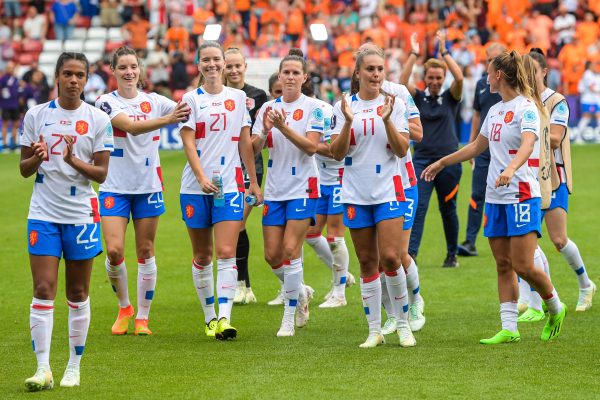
(219, 196)
(251, 200)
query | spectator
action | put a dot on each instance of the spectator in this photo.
(38, 78)
(64, 15)
(131, 7)
(564, 25)
(35, 26)
(539, 27)
(588, 30)
(202, 16)
(5, 29)
(367, 9)
(7, 53)
(179, 76)
(159, 55)
(109, 13)
(294, 23)
(137, 31)
(177, 37)
(9, 103)
(463, 56)
(12, 8)
(95, 86)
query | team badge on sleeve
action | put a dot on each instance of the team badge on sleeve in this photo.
(229, 105)
(508, 117)
(146, 107)
(81, 127)
(106, 107)
(298, 115)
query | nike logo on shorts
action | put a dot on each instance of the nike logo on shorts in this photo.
(89, 247)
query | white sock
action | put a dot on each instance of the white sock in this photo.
(279, 271)
(146, 283)
(117, 276)
(584, 122)
(341, 260)
(508, 316)
(535, 300)
(320, 246)
(293, 286)
(412, 283)
(553, 303)
(204, 284)
(79, 323)
(370, 290)
(385, 298)
(226, 282)
(545, 262)
(524, 290)
(571, 254)
(41, 321)
(396, 286)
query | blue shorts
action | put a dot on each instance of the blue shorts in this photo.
(277, 213)
(358, 216)
(560, 199)
(330, 202)
(412, 199)
(198, 211)
(504, 220)
(71, 241)
(589, 108)
(145, 205)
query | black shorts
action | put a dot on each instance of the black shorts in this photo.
(11, 114)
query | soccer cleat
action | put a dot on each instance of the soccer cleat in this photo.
(531, 315)
(141, 328)
(240, 293)
(302, 312)
(450, 262)
(41, 380)
(522, 307)
(71, 377)
(329, 294)
(286, 329)
(504, 336)
(121, 325)
(211, 328)
(278, 300)
(350, 280)
(554, 324)
(467, 249)
(405, 335)
(224, 330)
(250, 297)
(333, 302)
(584, 302)
(390, 326)
(373, 340)
(416, 319)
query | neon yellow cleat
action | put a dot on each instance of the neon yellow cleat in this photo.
(141, 328)
(42, 380)
(373, 340)
(504, 336)
(121, 325)
(554, 324)
(224, 330)
(211, 328)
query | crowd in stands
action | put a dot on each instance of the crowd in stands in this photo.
(567, 30)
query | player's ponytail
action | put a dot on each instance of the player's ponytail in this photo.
(531, 83)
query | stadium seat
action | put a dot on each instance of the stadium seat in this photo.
(53, 45)
(96, 21)
(115, 34)
(26, 58)
(94, 45)
(93, 56)
(192, 70)
(178, 94)
(80, 33)
(48, 70)
(48, 58)
(97, 32)
(31, 46)
(74, 45)
(112, 46)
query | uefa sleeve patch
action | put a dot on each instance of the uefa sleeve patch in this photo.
(530, 116)
(318, 114)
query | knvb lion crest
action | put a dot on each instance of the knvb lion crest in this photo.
(229, 105)
(298, 115)
(146, 107)
(81, 127)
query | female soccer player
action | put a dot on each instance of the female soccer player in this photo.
(235, 75)
(373, 136)
(66, 144)
(513, 197)
(212, 185)
(291, 126)
(134, 184)
(556, 215)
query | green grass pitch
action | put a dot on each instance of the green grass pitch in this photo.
(323, 360)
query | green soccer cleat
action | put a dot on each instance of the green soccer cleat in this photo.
(531, 315)
(504, 336)
(224, 330)
(554, 324)
(211, 328)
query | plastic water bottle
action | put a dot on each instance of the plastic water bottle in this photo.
(219, 196)
(251, 200)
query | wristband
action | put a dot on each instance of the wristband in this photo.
(445, 53)
(415, 53)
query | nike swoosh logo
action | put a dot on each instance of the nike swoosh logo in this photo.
(398, 298)
(227, 287)
(201, 287)
(202, 108)
(33, 327)
(520, 225)
(158, 206)
(393, 208)
(367, 298)
(290, 291)
(71, 337)
(49, 123)
(237, 211)
(304, 209)
(147, 279)
(482, 91)
(89, 247)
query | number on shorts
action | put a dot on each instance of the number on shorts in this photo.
(522, 213)
(337, 195)
(233, 203)
(91, 239)
(410, 204)
(159, 198)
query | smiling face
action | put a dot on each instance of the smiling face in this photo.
(292, 77)
(235, 68)
(434, 79)
(211, 63)
(127, 71)
(371, 73)
(71, 78)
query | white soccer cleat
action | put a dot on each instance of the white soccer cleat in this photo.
(522, 307)
(334, 302)
(240, 293)
(250, 297)
(286, 329)
(302, 311)
(405, 335)
(373, 340)
(279, 299)
(390, 326)
(41, 380)
(586, 295)
(71, 377)
(329, 294)
(416, 319)
(350, 280)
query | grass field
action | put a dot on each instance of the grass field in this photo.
(323, 360)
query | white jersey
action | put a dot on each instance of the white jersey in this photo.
(401, 92)
(134, 166)
(217, 120)
(589, 88)
(330, 170)
(60, 193)
(372, 173)
(558, 116)
(504, 126)
(291, 173)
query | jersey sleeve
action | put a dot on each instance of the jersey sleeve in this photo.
(411, 106)
(165, 105)
(258, 122)
(338, 119)
(530, 119)
(190, 100)
(247, 121)
(28, 136)
(400, 117)
(560, 114)
(476, 98)
(315, 120)
(109, 106)
(484, 130)
(327, 119)
(103, 141)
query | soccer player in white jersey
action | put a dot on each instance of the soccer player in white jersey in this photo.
(556, 215)
(134, 184)
(372, 136)
(513, 196)
(66, 144)
(212, 185)
(589, 87)
(291, 126)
